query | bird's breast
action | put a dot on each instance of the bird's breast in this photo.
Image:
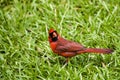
(53, 46)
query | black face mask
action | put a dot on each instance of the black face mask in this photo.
(53, 38)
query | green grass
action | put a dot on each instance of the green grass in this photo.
(24, 48)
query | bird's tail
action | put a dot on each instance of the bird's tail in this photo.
(96, 50)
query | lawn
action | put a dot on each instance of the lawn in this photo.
(25, 53)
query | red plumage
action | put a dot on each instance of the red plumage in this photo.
(68, 48)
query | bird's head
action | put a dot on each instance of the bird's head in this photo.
(53, 35)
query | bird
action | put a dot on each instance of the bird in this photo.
(68, 48)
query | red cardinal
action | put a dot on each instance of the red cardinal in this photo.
(68, 48)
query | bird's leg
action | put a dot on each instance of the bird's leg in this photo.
(67, 60)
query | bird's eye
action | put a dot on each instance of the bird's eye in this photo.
(53, 34)
(50, 34)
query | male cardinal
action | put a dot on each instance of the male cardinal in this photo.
(68, 48)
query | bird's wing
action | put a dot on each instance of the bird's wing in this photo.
(68, 46)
